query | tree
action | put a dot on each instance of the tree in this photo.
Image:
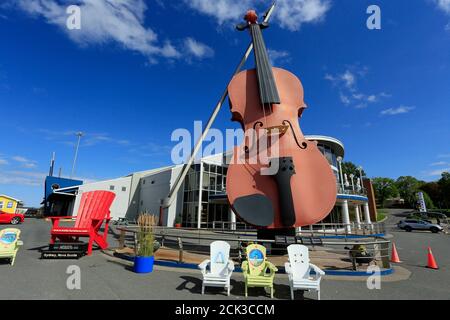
(428, 202)
(408, 187)
(351, 168)
(434, 191)
(384, 188)
(444, 185)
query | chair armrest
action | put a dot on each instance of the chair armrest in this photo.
(230, 266)
(319, 272)
(271, 267)
(62, 217)
(202, 266)
(287, 267)
(244, 267)
(19, 243)
(55, 220)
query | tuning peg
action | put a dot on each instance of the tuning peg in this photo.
(242, 26)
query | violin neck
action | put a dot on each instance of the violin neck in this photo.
(268, 91)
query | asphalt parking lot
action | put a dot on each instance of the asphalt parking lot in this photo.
(106, 278)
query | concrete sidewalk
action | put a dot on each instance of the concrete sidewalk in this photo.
(106, 278)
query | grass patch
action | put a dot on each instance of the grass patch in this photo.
(381, 214)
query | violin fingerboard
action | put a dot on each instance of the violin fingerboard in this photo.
(267, 87)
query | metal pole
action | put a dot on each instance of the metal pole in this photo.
(79, 135)
(339, 159)
(167, 202)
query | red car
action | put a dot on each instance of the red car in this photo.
(12, 218)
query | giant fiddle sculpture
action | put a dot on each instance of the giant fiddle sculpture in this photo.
(269, 101)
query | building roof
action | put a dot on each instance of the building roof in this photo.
(334, 143)
(5, 196)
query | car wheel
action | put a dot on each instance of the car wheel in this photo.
(408, 229)
(434, 230)
(15, 220)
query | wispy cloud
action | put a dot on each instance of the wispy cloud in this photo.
(396, 111)
(437, 172)
(290, 14)
(278, 57)
(439, 163)
(89, 139)
(25, 178)
(3, 162)
(197, 49)
(347, 84)
(24, 162)
(443, 5)
(444, 155)
(112, 21)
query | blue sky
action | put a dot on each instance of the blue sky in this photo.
(137, 70)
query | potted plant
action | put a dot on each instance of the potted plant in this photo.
(144, 259)
(178, 221)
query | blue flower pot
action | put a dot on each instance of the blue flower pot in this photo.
(143, 264)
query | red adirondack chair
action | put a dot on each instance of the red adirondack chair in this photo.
(94, 210)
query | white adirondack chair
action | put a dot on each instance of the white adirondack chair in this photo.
(218, 270)
(298, 268)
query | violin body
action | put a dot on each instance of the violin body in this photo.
(308, 193)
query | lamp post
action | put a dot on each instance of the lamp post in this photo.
(79, 135)
(339, 160)
(361, 177)
(353, 183)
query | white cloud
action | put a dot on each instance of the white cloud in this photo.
(197, 49)
(222, 10)
(439, 163)
(22, 178)
(437, 172)
(278, 56)
(289, 14)
(24, 162)
(443, 5)
(347, 83)
(444, 155)
(3, 162)
(396, 111)
(116, 21)
(89, 139)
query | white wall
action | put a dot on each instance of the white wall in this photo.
(120, 205)
(154, 188)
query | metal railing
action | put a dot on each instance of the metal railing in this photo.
(198, 241)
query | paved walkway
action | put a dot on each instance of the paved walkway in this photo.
(105, 278)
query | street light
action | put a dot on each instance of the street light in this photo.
(361, 176)
(353, 184)
(339, 160)
(79, 135)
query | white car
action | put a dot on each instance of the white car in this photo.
(414, 224)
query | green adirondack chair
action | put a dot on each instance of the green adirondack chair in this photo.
(258, 272)
(9, 243)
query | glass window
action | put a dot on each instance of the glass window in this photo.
(124, 188)
(212, 182)
(205, 197)
(111, 188)
(1, 204)
(205, 182)
(206, 166)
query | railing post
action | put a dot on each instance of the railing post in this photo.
(135, 243)
(180, 253)
(122, 239)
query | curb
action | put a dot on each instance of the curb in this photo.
(281, 270)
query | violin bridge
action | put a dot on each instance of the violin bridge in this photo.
(277, 130)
